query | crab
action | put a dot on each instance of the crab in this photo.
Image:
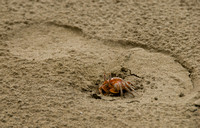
(116, 86)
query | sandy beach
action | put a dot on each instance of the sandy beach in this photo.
(54, 54)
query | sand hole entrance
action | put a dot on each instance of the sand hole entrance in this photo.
(87, 59)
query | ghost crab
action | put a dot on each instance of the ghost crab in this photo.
(116, 86)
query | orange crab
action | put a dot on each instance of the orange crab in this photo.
(115, 86)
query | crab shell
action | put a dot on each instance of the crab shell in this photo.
(115, 85)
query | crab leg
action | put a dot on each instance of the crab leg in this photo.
(109, 79)
(125, 84)
(116, 86)
(128, 90)
(120, 87)
(130, 86)
(104, 77)
(100, 90)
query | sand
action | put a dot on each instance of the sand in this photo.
(53, 55)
